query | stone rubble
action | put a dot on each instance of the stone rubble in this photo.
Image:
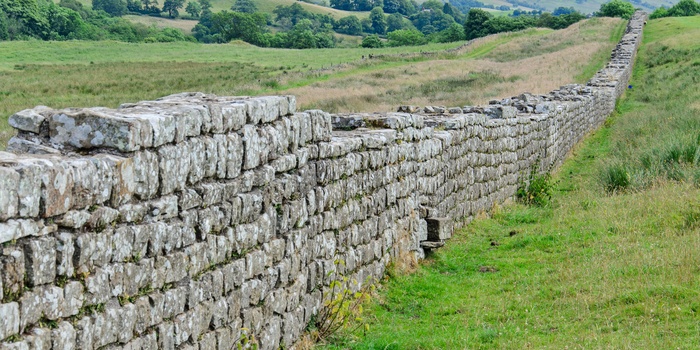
(195, 220)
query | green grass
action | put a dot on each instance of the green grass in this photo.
(108, 73)
(592, 270)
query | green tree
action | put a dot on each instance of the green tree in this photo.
(349, 25)
(193, 8)
(372, 41)
(454, 33)
(406, 37)
(616, 8)
(248, 27)
(376, 16)
(205, 4)
(474, 26)
(245, 6)
(115, 8)
(394, 22)
(684, 8)
(172, 7)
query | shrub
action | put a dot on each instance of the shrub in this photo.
(537, 190)
(372, 41)
(616, 8)
(616, 178)
(406, 37)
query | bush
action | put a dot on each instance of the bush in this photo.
(406, 37)
(616, 8)
(537, 190)
(372, 41)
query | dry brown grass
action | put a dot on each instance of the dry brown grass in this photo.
(185, 25)
(560, 57)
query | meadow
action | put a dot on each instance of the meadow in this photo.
(84, 74)
(599, 267)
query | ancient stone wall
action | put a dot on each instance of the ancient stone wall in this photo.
(182, 222)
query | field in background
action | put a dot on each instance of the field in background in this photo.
(594, 270)
(268, 6)
(85, 74)
(535, 60)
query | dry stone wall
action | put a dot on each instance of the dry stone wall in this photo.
(180, 223)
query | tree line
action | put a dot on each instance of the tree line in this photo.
(287, 26)
(70, 20)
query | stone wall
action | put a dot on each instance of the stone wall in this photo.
(182, 222)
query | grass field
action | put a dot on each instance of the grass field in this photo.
(593, 270)
(535, 60)
(82, 74)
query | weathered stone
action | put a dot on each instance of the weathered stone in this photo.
(9, 319)
(64, 336)
(90, 128)
(27, 120)
(9, 201)
(439, 228)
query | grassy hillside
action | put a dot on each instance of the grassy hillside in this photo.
(594, 269)
(590, 6)
(266, 6)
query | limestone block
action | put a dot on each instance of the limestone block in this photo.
(256, 147)
(9, 200)
(174, 163)
(234, 274)
(40, 257)
(64, 254)
(28, 120)
(52, 301)
(97, 289)
(233, 115)
(9, 319)
(163, 208)
(321, 125)
(73, 297)
(16, 229)
(90, 128)
(146, 174)
(211, 157)
(174, 301)
(29, 188)
(39, 339)
(13, 271)
(255, 263)
(64, 336)
(439, 228)
(188, 199)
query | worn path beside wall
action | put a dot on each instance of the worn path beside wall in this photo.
(177, 223)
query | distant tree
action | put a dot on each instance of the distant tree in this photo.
(193, 8)
(394, 22)
(616, 8)
(372, 41)
(349, 25)
(376, 16)
(205, 4)
(563, 11)
(238, 25)
(454, 33)
(115, 8)
(245, 6)
(432, 5)
(172, 7)
(405, 37)
(684, 8)
(474, 25)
